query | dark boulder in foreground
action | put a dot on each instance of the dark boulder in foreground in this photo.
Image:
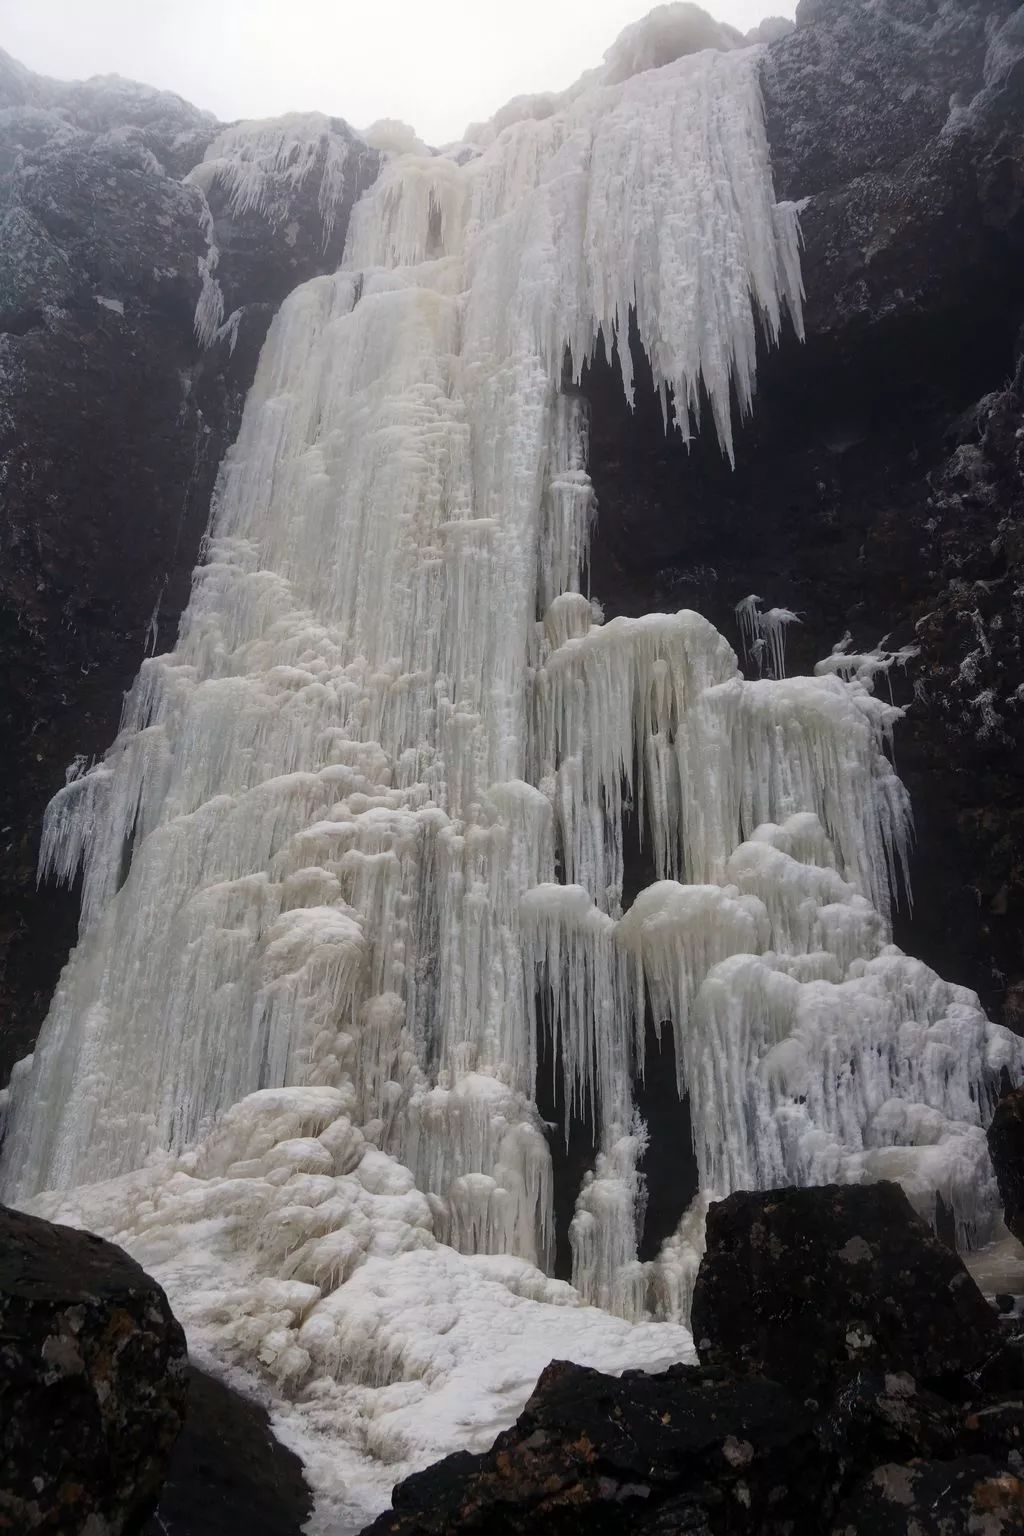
(607, 1454)
(92, 1383)
(859, 1280)
(1006, 1146)
(228, 1475)
(879, 1418)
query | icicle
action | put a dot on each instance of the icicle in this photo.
(763, 635)
(210, 304)
(261, 164)
(817, 1082)
(566, 228)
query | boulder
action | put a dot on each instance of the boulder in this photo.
(690, 1447)
(811, 1285)
(92, 1383)
(1006, 1146)
(228, 1474)
(935, 1498)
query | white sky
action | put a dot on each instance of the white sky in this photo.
(437, 64)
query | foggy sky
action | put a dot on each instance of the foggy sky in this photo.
(437, 64)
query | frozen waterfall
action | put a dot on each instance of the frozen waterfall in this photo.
(360, 839)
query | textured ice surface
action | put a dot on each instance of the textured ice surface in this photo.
(301, 1259)
(261, 163)
(360, 839)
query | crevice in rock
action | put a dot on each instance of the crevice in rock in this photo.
(571, 1155)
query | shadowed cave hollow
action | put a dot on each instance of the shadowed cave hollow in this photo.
(668, 1165)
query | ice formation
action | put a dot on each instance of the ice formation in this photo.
(296, 1249)
(258, 163)
(763, 635)
(360, 841)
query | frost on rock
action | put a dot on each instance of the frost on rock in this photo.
(664, 35)
(393, 137)
(261, 164)
(359, 843)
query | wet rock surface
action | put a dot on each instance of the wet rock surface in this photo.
(92, 1383)
(795, 1421)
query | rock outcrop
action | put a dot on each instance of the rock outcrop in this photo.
(805, 1286)
(92, 1383)
(842, 1392)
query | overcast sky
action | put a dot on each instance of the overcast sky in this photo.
(437, 64)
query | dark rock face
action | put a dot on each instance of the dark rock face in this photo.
(637, 1453)
(92, 1383)
(113, 422)
(878, 484)
(972, 1493)
(804, 1289)
(795, 1422)
(1006, 1145)
(265, 252)
(227, 1472)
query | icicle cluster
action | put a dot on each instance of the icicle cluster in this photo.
(360, 839)
(259, 164)
(763, 635)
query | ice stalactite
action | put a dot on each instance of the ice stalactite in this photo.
(210, 306)
(360, 839)
(262, 168)
(763, 635)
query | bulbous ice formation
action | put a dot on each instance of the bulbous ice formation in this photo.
(360, 840)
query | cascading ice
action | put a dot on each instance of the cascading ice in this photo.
(359, 843)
